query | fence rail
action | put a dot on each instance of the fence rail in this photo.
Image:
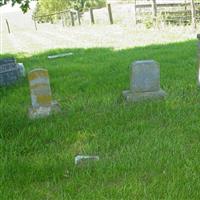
(174, 11)
(188, 11)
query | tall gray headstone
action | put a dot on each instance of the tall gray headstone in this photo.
(144, 82)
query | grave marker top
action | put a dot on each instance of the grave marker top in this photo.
(7, 60)
(7, 65)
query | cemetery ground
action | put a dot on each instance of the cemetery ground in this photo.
(147, 150)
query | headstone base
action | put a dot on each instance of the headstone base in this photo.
(44, 111)
(137, 96)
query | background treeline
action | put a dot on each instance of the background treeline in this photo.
(45, 7)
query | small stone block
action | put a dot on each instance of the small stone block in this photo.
(21, 68)
(83, 158)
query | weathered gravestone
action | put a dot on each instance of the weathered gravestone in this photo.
(145, 82)
(198, 52)
(10, 71)
(41, 98)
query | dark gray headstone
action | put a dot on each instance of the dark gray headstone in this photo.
(9, 71)
(7, 60)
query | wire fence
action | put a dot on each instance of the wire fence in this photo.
(148, 12)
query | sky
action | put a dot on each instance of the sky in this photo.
(8, 8)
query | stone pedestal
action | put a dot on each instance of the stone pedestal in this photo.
(41, 98)
(145, 82)
(44, 111)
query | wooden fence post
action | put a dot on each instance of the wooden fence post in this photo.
(193, 14)
(72, 18)
(135, 14)
(110, 14)
(35, 23)
(154, 12)
(185, 2)
(79, 17)
(92, 16)
(63, 20)
(8, 26)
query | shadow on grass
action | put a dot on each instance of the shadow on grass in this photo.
(174, 59)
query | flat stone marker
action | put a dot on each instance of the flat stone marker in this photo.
(41, 98)
(145, 82)
(85, 158)
(10, 71)
(60, 55)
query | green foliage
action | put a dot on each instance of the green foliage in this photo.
(51, 6)
(24, 4)
(148, 23)
(85, 4)
(45, 7)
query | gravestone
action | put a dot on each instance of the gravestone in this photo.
(198, 53)
(10, 71)
(41, 97)
(145, 82)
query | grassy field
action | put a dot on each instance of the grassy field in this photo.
(147, 150)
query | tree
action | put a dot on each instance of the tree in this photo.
(45, 7)
(51, 6)
(24, 4)
(48, 6)
(82, 5)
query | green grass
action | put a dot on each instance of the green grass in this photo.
(147, 150)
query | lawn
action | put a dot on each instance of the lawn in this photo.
(148, 150)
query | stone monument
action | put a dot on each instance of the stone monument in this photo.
(41, 98)
(145, 82)
(10, 71)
